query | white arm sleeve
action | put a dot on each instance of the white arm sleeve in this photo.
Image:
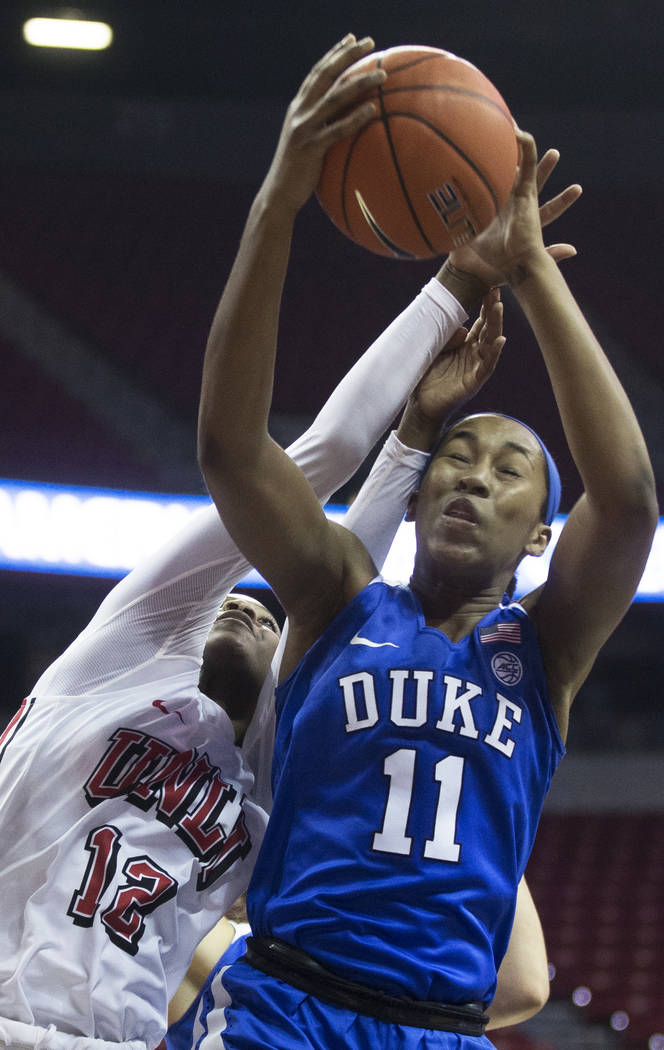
(381, 503)
(164, 607)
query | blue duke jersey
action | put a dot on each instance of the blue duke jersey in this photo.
(409, 774)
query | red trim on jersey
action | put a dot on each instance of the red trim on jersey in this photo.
(17, 721)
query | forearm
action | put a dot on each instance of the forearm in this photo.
(416, 431)
(600, 426)
(381, 503)
(369, 397)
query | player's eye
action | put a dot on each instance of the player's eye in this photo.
(510, 471)
(265, 622)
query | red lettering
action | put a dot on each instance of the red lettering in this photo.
(201, 827)
(236, 847)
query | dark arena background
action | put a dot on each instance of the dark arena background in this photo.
(125, 178)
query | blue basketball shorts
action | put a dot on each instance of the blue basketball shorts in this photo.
(267, 1012)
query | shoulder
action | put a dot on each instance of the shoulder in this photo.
(318, 645)
(529, 601)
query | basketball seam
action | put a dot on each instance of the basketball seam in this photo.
(390, 143)
(455, 90)
(450, 142)
(412, 63)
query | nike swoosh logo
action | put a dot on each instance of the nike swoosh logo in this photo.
(356, 640)
(400, 253)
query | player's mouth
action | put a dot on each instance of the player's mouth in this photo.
(461, 509)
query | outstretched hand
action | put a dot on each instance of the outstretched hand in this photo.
(494, 256)
(458, 373)
(324, 110)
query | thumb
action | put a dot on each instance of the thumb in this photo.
(558, 252)
(457, 340)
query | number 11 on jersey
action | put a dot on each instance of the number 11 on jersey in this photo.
(399, 767)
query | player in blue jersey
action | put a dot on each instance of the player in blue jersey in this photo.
(418, 727)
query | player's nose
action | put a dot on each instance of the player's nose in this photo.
(475, 481)
(237, 605)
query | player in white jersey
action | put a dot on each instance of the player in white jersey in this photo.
(130, 819)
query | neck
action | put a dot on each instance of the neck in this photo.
(234, 689)
(453, 607)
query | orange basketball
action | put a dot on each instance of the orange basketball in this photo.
(431, 170)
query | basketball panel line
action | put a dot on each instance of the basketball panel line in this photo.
(466, 92)
(415, 62)
(390, 142)
(450, 142)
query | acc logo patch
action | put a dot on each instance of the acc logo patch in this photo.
(507, 668)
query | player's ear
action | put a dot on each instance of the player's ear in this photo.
(539, 541)
(411, 509)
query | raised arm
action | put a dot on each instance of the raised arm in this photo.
(259, 492)
(602, 551)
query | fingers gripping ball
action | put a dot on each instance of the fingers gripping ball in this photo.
(433, 167)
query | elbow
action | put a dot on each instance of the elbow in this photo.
(209, 459)
(645, 492)
(535, 994)
(532, 995)
(519, 998)
(227, 458)
(633, 506)
(207, 449)
(652, 506)
(641, 510)
(215, 456)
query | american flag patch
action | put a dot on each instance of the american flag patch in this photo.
(501, 632)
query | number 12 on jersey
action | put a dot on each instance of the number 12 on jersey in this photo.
(399, 767)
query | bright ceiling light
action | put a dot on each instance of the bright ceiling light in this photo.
(68, 33)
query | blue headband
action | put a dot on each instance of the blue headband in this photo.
(554, 487)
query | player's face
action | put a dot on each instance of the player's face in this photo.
(240, 645)
(480, 506)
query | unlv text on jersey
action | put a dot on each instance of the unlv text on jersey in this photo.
(188, 792)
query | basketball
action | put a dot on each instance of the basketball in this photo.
(433, 167)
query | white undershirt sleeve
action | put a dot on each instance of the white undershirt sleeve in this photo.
(381, 503)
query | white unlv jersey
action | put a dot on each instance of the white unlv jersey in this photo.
(126, 830)
(126, 834)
